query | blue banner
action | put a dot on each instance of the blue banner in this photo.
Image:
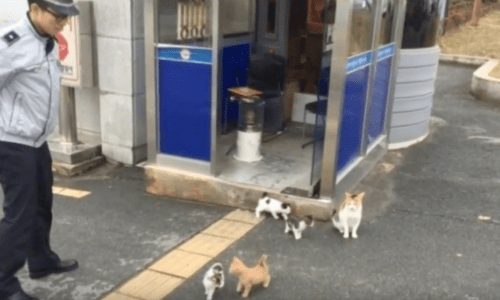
(385, 51)
(186, 54)
(358, 62)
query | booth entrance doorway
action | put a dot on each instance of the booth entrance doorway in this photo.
(285, 62)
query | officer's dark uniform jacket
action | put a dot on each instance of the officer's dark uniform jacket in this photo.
(29, 85)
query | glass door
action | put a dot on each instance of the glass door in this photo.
(385, 57)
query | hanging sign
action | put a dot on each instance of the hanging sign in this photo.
(75, 49)
(69, 53)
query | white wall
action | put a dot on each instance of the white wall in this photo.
(11, 11)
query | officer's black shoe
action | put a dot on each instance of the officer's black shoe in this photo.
(61, 267)
(21, 296)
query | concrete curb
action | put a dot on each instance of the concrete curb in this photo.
(483, 86)
(463, 59)
(178, 184)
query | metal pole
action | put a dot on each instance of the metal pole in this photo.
(397, 38)
(340, 53)
(67, 117)
(150, 42)
(374, 44)
(216, 105)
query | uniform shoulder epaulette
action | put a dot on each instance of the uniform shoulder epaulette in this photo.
(11, 37)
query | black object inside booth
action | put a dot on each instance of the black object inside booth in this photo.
(266, 72)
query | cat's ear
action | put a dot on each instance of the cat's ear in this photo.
(361, 196)
(348, 195)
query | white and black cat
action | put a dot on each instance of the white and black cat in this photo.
(297, 225)
(272, 206)
(350, 213)
(213, 279)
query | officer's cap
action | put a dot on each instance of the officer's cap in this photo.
(61, 7)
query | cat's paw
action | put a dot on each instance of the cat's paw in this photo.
(354, 236)
(346, 236)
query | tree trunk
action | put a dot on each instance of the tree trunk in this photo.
(476, 13)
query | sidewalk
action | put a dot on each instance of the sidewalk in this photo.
(420, 237)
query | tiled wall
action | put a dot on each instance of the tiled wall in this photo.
(121, 115)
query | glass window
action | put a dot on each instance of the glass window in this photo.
(328, 25)
(271, 16)
(387, 22)
(360, 27)
(421, 23)
(237, 16)
(184, 22)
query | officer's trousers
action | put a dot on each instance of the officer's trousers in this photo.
(26, 178)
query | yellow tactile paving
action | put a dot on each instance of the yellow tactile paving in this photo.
(69, 192)
(244, 216)
(205, 244)
(150, 285)
(56, 190)
(116, 296)
(228, 229)
(180, 263)
(161, 278)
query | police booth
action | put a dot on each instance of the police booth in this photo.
(219, 99)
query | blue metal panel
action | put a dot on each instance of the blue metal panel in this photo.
(184, 87)
(380, 92)
(235, 61)
(353, 109)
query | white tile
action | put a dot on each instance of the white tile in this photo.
(88, 109)
(117, 119)
(85, 17)
(115, 65)
(140, 128)
(113, 18)
(119, 154)
(139, 72)
(138, 19)
(124, 155)
(87, 61)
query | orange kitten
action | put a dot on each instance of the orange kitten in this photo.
(249, 277)
(350, 213)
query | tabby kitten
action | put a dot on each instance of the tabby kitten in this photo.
(297, 225)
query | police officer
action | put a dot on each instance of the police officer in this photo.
(29, 99)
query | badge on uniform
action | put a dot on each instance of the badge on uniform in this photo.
(11, 37)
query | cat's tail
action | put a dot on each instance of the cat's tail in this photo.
(263, 261)
(336, 223)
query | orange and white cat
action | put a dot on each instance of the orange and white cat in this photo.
(249, 277)
(350, 213)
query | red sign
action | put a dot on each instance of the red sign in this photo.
(63, 46)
